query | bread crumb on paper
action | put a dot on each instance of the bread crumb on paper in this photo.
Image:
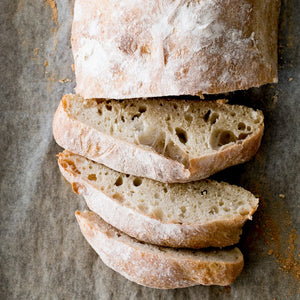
(52, 4)
(64, 80)
(282, 196)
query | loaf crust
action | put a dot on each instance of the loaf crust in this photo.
(138, 160)
(132, 49)
(201, 234)
(155, 267)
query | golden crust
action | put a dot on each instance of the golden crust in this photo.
(174, 47)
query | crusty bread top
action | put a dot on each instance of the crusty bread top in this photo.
(195, 203)
(158, 267)
(133, 49)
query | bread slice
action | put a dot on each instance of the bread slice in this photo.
(193, 215)
(158, 267)
(166, 140)
(134, 49)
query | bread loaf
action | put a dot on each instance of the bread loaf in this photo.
(134, 49)
(158, 267)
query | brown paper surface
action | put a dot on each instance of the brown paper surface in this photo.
(42, 252)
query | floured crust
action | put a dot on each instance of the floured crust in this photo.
(131, 49)
(130, 158)
(216, 233)
(160, 268)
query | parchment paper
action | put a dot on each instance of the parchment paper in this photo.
(42, 252)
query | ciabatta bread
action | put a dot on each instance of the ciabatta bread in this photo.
(158, 267)
(132, 49)
(193, 215)
(166, 140)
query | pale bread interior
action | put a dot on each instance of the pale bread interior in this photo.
(180, 130)
(90, 221)
(196, 202)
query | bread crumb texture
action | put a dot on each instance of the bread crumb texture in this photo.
(182, 130)
(196, 202)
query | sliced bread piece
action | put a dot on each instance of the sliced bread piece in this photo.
(158, 267)
(193, 215)
(165, 140)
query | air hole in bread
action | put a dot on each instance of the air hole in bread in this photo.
(256, 121)
(90, 167)
(136, 116)
(175, 106)
(188, 117)
(204, 192)
(243, 211)
(183, 210)
(137, 181)
(171, 129)
(249, 128)
(156, 196)
(206, 116)
(122, 119)
(220, 138)
(108, 107)
(118, 197)
(118, 234)
(213, 210)
(127, 175)
(100, 111)
(165, 190)
(92, 177)
(168, 118)
(182, 135)
(119, 181)
(221, 203)
(158, 213)
(233, 114)
(143, 207)
(142, 109)
(242, 136)
(213, 118)
(241, 126)
(70, 164)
